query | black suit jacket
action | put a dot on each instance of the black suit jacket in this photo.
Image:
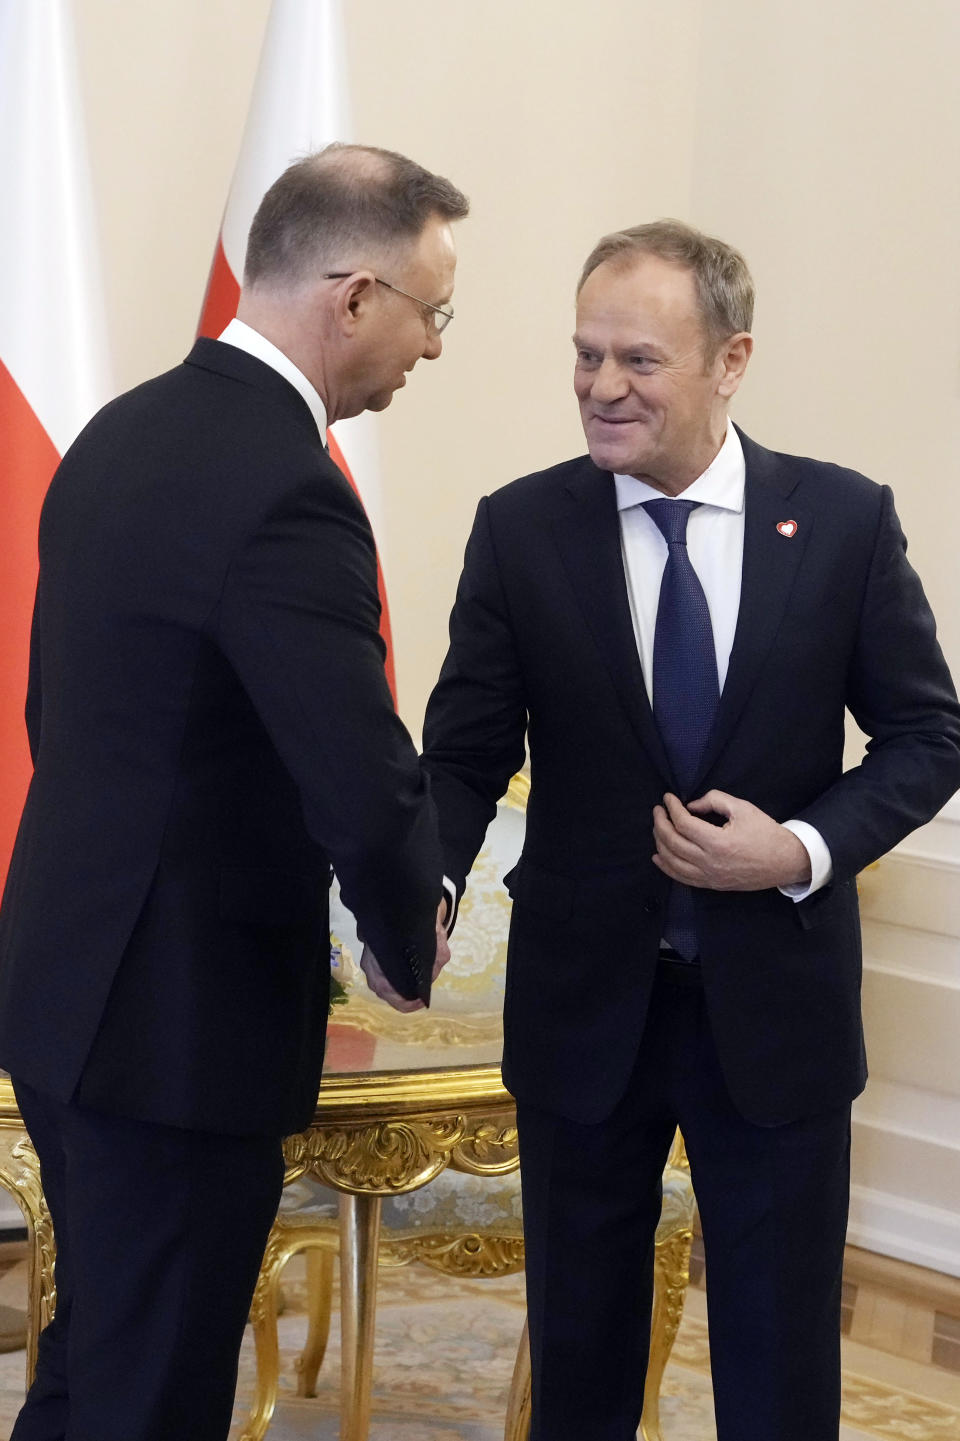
(541, 636)
(211, 729)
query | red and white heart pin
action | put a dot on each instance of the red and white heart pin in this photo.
(787, 528)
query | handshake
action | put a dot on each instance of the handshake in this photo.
(378, 982)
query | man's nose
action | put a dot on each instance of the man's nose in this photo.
(433, 345)
(609, 383)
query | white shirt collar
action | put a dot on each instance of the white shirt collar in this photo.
(721, 484)
(244, 337)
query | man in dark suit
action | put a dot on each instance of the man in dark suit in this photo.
(677, 623)
(212, 730)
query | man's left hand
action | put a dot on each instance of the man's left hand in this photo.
(749, 852)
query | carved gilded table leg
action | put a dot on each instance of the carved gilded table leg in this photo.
(319, 1302)
(263, 1319)
(517, 1426)
(359, 1244)
(20, 1175)
(671, 1275)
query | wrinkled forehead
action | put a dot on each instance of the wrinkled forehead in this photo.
(642, 294)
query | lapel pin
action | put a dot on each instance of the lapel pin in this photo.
(787, 528)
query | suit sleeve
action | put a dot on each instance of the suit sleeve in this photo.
(475, 726)
(901, 695)
(33, 709)
(298, 620)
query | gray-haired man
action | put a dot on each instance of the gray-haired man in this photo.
(677, 622)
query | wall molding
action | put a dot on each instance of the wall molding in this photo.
(924, 859)
(907, 1230)
(951, 811)
(933, 1289)
(904, 1201)
(916, 891)
(937, 841)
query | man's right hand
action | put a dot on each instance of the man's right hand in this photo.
(382, 988)
(443, 945)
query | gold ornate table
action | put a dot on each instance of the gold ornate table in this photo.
(379, 1133)
(403, 1098)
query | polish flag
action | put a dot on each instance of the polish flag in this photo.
(54, 371)
(300, 103)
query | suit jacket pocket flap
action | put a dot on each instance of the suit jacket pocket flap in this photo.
(256, 897)
(544, 891)
(827, 904)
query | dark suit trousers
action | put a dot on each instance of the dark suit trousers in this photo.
(773, 1207)
(160, 1234)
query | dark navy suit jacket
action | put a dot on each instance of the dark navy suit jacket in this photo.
(211, 729)
(542, 642)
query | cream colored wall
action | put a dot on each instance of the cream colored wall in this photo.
(828, 146)
(166, 85)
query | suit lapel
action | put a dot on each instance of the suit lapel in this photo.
(771, 562)
(587, 534)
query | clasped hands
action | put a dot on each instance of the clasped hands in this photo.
(750, 851)
(378, 982)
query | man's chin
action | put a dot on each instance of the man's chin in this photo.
(607, 456)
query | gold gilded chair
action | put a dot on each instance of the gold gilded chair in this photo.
(461, 1224)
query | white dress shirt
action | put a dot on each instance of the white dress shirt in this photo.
(715, 548)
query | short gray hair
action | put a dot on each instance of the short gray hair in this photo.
(723, 281)
(338, 205)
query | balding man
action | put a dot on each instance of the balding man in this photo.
(677, 622)
(211, 730)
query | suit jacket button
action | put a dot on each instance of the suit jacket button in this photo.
(651, 908)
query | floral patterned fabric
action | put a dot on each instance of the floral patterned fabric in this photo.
(455, 1203)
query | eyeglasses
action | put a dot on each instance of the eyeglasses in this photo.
(439, 318)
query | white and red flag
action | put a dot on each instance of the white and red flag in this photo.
(54, 371)
(300, 102)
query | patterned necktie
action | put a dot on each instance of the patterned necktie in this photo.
(685, 685)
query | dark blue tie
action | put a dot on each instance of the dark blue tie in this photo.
(685, 685)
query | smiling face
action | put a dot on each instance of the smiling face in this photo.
(653, 397)
(400, 331)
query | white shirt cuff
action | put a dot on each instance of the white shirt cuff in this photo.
(451, 891)
(821, 862)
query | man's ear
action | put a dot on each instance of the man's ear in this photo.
(351, 299)
(732, 362)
